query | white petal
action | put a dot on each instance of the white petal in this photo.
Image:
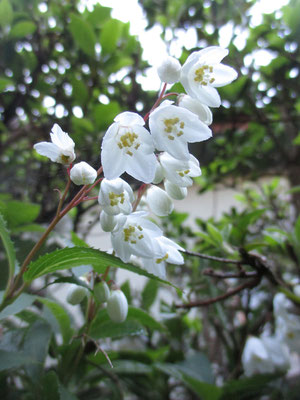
(49, 150)
(61, 138)
(174, 191)
(142, 166)
(112, 161)
(212, 55)
(223, 75)
(128, 118)
(209, 96)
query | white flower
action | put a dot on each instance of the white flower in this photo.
(135, 237)
(61, 150)
(109, 222)
(169, 70)
(128, 146)
(159, 201)
(174, 191)
(117, 306)
(173, 127)
(202, 73)
(115, 196)
(159, 173)
(83, 174)
(264, 355)
(194, 105)
(180, 172)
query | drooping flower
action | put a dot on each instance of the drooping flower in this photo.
(115, 196)
(169, 70)
(128, 146)
(83, 174)
(174, 191)
(173, 127)
(159, 201)
(117, 306)
(109, 222)
(168, 253)
(196, 107)
(180, 172)
(202, 73)
(264, 355)
(135, 237)
(61, 150)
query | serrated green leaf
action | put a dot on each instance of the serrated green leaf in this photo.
(22, 29)
(9, 248)
(77, 256)
(83, 34)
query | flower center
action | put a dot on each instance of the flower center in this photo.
(203, 75)
(128, 141)
(115, 198)
(133, 233)
(160, 260)
(183, 173)
(173, 127)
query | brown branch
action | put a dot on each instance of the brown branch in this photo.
(231, 292)
(221, 275)
(212, 258)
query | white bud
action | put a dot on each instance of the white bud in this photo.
(83, 174)
(101, 291)
(174, 191)
(76, 294)
(194, 105)
(297, 290)
(108, 222)
(159, 173)
(159, 201)
(117, 306)
(169, 70)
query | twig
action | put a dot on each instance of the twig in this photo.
(231, 292)
(221, 275)
(212, 258)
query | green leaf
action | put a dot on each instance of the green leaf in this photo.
(297, 229)
(61, 316)
(77, 241)
(18, 213)
(83, 34)
(22, 29)
(145, 319)
(50, 387)
(247, 388)
(77, 256)
(36, 345)
(80, 92)
(103, 327)
(23, 301)
(9, 248)
(10, 359)
(110, 35)
(4, 82)
(214, 233)
(131, 367)
(6, 12)
(149, 294)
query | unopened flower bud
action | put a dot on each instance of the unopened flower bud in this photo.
(76, 294)
(159, 201)
(174, 191)
(117, 306)
(101, 291)
(196, 107)
(169, 70)
(159, 174)
(108, 222)
(83, 174)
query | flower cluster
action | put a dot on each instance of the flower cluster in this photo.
(151, 156)
(269, 354)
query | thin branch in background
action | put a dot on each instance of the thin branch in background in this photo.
(212, 258)
(231, 292)
(227, 275)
